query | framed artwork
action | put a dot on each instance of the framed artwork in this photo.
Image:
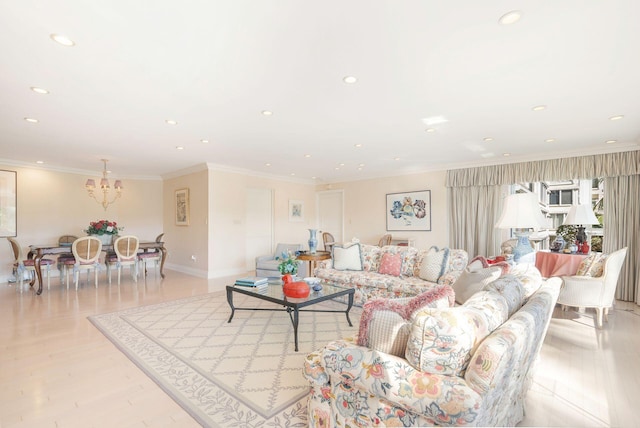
(296, 210)
(409, 211)
(8, 204)
(182, 207)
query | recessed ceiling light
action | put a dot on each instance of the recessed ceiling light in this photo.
(307, 156)
(361, 165)
(293, 173)
(357, 145)
(204, 141)
(31, 120)
(39, 162)
(487, 139)
(267, 113)
(337, 168)
(611, 141)
(506, 155)
(179, 148)
(314, 177)
(359, 168)
(616, 117)
(430, 130)
(396, 159)
(539, 108)
(550, 140)
(349, 79)
(510, 17)
(171, 122)
(39, 90)
(63, 40)
(341, 164)
(267, 164)
(434, 120)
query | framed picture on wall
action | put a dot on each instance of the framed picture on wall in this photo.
(296, 210)
(8, 204)
(409, 211)
(182, 207)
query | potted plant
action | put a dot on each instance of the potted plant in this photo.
(103, 229)
(288, 263)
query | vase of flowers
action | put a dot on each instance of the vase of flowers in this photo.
(288, 263)
(104, 230)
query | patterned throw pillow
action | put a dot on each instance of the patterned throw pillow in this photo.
(347, 257)
(586, 263)
(597, 269)
(385, 323)
(434, 264)
(391, 264)
(472, 281)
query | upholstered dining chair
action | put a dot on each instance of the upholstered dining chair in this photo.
(22, 264)
(126, 254)
(66, 260)
(86, 252)
(594, 292)
(328, 241)
(385, 240)
(151, 256)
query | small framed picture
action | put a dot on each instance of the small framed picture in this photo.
(182, 207)
(296, 210)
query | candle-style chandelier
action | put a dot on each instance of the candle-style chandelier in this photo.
(104, 186)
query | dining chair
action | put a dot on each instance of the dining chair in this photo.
(22, 264)
(86, 252)
(150, 256)
(126, 254)
(65, 260)
(328, 241)
(385, 240)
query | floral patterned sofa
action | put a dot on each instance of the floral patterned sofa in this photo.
(369, 282)
(465, 365)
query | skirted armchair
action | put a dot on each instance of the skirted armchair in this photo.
(268, 265)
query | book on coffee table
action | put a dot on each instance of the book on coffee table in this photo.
(252, 281)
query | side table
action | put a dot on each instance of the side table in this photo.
(558, 264)
(313, 259)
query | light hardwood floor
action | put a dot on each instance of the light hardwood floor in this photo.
(57, 370)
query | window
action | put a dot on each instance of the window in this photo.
(560, 197)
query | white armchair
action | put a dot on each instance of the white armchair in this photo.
(268, 265)
(594, 292)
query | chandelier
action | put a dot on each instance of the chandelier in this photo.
(104, 186)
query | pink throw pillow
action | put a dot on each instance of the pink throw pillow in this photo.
(391, 264)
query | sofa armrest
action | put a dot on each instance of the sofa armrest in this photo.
(342, 365)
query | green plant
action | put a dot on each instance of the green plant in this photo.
(568, 233)
(289, 263)
(103, 227)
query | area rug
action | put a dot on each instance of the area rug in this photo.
(244, 373)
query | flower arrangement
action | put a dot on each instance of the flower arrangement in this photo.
(103, 227)
(289, 263)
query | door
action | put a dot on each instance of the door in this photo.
(331, 213)
(259, 221)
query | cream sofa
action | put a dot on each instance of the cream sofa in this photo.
(369, 283)
(449, 376)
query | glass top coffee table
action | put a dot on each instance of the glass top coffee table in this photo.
(273, 293)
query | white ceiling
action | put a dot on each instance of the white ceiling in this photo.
(214, 66)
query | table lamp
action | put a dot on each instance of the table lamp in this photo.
(521, 211)
(580, 215)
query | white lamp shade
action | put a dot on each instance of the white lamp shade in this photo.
(521, 211)
(581, 214)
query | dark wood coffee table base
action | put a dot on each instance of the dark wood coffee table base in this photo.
(291, 306)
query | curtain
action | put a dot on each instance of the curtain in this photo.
(474, 209)
(622, 229)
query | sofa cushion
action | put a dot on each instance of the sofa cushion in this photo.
(510, 287)
(347, 257)
(434, 264)
(471, 281)
(391, 264)
(443, 340)
(529, 276)
(408, 255)
(370, 257)
(385, 325)
(493, 306)
(592, 266)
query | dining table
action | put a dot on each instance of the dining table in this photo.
(37, 252)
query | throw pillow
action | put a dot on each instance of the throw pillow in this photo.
(484, 262)
(385, 323)
(597, 269)
(443, 340)
(470, 282)
(529, 276)
(391, 264)
(511, 289)
(434, 264)
(585, 264)
(347, 257)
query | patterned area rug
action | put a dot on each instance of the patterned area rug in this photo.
(244, 373)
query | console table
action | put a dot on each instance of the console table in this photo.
(551, 264)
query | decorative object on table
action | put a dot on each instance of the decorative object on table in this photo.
(409, 211)
(288, 263)
(584, 249)
(573, 248)
(580, 216)
(252, 281)
(105, 187)
(314, 283)
(103, 230)
(287, 278)
(296, 210)
(521, 212)
(8, 203)
(182, 207)
(558, 244)
(296, 289)
(313, 241)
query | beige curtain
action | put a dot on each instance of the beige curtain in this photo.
(474, 212)
(622, 229)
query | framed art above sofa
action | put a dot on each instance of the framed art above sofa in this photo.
(409, 211)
